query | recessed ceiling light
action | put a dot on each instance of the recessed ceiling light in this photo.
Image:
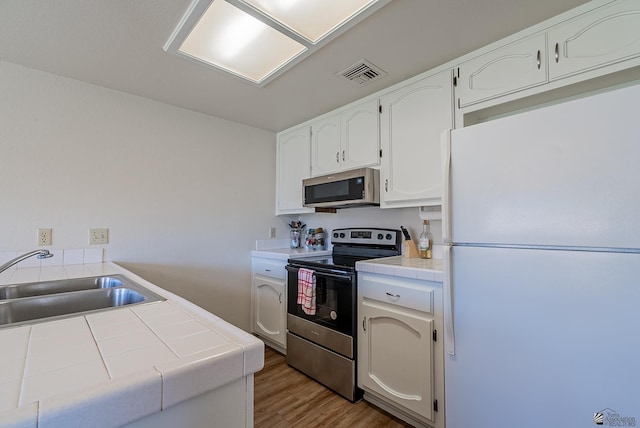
(258, 40)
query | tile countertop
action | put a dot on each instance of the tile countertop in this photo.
(424, 269)
(113, 367)
(288, 253)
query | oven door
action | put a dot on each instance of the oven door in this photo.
(335, 299)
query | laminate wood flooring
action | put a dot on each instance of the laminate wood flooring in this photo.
(284, 397)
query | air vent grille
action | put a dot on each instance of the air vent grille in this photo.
(362, 72)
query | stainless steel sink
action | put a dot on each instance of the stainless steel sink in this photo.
(60, 286)
(43, 301)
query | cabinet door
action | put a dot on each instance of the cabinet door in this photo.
(511, 68)
(605, 36)
(325, 146)
(294, 165)
(269, 316)
(360, 139)
(412, 119)
(396, 357)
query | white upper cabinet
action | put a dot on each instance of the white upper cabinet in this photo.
(346, 140)
(599, 38)
(412, 120)
(510, 68)
(603, 37)
(325, 145)
(360, 139)
(293, 165)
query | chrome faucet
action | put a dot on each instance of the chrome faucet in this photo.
(42, 254)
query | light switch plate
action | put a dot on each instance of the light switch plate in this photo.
(98, 236)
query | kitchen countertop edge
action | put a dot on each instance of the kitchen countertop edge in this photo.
(244, 355)
(288, 253)
(404, 267)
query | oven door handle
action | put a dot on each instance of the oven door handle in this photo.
(324, 274)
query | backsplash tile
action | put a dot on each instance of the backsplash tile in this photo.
(271, 244)
(93, 255)
(73, 257)
(56, 260)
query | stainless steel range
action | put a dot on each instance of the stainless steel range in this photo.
(323, 345)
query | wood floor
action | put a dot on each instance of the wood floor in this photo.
(284, 397)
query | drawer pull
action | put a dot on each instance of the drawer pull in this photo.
(267, 270)
(394, 296)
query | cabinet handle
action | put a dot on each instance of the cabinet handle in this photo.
(394, 296)
(338, 157)
(343, 156)
(386, 185)
(459, 103)
(364, 323)
(557, 52)
(280, 298)
(267, 270)
(538, 59)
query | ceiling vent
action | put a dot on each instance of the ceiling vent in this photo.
(362, 72)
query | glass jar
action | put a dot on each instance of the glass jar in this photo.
(294, 238)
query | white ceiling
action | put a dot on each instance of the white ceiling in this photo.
(118, 44)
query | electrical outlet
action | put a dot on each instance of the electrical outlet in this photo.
(98, 236)
(272, 232)
(44, 237)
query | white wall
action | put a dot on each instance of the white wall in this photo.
(184, 195)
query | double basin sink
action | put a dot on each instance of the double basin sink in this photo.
(42, 301)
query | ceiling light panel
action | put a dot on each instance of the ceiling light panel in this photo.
(258, 40)
(228, 38)
(311, 19)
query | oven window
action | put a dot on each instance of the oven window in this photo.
(335, 299)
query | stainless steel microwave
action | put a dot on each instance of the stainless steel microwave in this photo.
(358, 187)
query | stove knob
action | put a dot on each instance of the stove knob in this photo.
(380, 236)
(388, 236)
(335, 234)
(342, 235)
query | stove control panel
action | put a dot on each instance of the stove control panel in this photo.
(366, 236)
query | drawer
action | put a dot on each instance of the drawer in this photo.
(269, 267)
(409, 294)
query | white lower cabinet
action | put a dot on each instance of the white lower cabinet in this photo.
(400, 356)
(268, 297)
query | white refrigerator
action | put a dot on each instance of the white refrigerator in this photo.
(541, 223)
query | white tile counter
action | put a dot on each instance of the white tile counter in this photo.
(288, 253)
(415, 268)
(113, 367)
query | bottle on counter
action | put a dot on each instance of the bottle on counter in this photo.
(426, 241)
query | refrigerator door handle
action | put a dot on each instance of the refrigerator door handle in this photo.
(449, 331)
(445, 139)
